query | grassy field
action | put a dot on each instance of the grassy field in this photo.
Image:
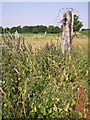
(39, 82)
(39, 40)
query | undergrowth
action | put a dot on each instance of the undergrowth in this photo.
(43, 84)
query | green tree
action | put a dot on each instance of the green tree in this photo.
(57, 29)
(77, 24)
(13, 29)
(1, 30)
(41, 28)
(18, 28)
(6, 29)
(27, 29)
(30, 29)
(50, 29)
(35, 30)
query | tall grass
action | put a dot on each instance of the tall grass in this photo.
(43, 84)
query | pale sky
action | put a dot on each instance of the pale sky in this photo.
(38, 13)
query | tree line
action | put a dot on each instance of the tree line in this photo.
(32, 29)
(42, 29)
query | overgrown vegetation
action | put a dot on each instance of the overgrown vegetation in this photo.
(44, 84)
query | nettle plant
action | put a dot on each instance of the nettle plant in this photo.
(44, 83)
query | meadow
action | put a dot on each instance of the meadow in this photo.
(39, 40)
(39, 82)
